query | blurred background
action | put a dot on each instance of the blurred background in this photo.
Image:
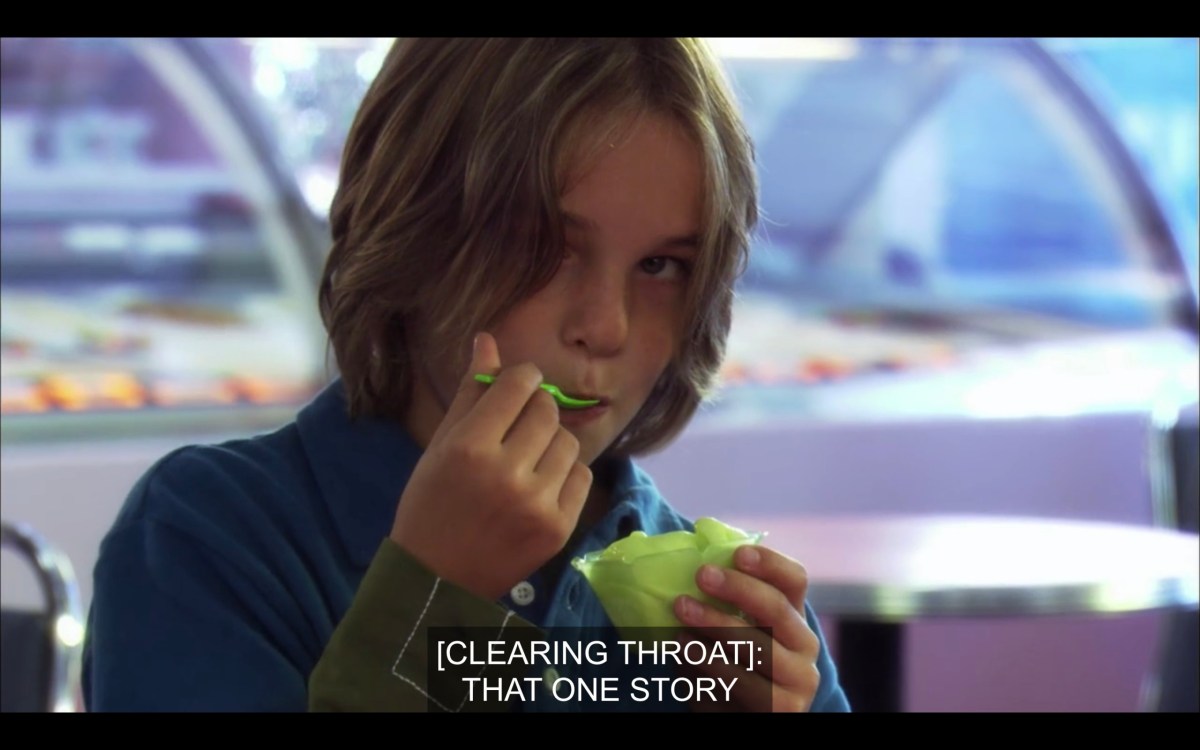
(973, 291)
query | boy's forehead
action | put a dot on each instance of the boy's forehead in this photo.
(597, 131)
(688, 239)
(588, 150)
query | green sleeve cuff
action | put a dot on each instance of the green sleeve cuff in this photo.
(379, 656)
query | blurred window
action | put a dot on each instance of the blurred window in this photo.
(314, 86)
(947, 228)
(955, 171)
(1149, 89)
(150, 267)
(950, 226)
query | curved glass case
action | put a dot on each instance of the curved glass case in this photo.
(950, 227)
(159, 266)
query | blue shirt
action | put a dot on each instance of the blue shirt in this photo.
(230, 568)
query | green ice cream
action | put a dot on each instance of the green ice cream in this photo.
(638, 578)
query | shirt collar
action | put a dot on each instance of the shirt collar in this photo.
(637, 505)
(361, 467)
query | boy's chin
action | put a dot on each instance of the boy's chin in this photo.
(590, 457)
(590, 446)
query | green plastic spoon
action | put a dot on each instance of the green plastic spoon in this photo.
(563, 399)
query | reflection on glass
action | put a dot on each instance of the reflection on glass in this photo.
(312, 88)
(1150, 90)
(140, 255)
(946, 232)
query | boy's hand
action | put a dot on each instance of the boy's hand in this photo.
(769, 588)
(499, 488)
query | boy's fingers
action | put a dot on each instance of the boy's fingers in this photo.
(761, 602)
(575, 492)
(501, 404)
(534, 431)
(777, 569)
(559, 456)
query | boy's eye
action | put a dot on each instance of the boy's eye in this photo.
(662, 266)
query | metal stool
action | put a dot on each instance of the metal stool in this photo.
(1175, 478)
(42, 651)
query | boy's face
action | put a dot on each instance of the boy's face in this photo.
(605, 326)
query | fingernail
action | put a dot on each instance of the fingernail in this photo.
(749, 557)
(691, 608)
(475, 345)
(712, 576)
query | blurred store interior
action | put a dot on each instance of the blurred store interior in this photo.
(973, 291)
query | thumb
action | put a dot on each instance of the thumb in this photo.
(485, 357)
(485, 360)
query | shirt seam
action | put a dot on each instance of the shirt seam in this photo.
(416, 626)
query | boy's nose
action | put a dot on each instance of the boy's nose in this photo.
(599, 316)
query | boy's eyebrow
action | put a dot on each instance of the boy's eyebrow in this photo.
(683, 242)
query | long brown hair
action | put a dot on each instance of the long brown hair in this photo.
(447, 213)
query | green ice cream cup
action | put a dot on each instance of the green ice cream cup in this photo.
(638, 578)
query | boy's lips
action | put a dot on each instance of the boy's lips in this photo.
(581, 417)
(582, 394)
(589, 397)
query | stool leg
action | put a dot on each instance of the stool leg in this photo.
(870, 665)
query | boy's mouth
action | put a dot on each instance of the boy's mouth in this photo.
(585, 396)
(581, 417)
(588, 397)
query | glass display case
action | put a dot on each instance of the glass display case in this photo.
(950, 227)
(159, 264)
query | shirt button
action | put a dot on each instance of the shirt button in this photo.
(523, 593)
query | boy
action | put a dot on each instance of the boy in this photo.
(573, 211)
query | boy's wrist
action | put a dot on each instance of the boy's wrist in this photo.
(383, 656)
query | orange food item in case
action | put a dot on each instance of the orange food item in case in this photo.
(92, 391)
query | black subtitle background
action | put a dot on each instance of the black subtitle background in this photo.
(448, 683)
